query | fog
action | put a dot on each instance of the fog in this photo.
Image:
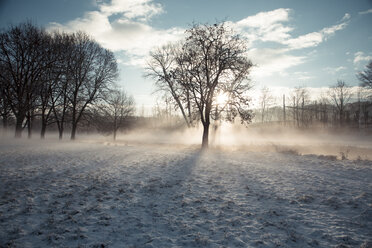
(335, 144)
(341, 144)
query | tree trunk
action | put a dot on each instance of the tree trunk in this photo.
(341, 117)
(60, 123)
(183, 113)
(189, 106)
(60, 131)
(43, 125)
(43, 129)
(5, 122)
(115, 127)
(19, 126)
(73, 131)
(74, 123)
(29, 124)
(284, 117)
(29, 127)
(205, 140)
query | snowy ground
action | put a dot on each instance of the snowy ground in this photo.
(90, 194)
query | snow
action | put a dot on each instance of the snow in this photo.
(104, 194)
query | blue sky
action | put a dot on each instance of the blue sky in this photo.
(293, 43)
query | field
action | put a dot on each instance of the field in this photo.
(102, 194)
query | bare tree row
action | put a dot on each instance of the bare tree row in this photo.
(55, 77)
(340, 106)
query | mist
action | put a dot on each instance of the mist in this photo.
(336, 144)
(340, 144)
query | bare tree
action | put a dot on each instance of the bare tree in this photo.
(23, 58)
(365, 77)
(323, 102)
(91, 70)
(49, 89)
(114, 112)
(4, 104)
(163, 110)
(299, 98)
(340, 95)
(210, 62)
(161, 67)
(60, 99)
(265, 102)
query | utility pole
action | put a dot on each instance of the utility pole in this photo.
(284, 117)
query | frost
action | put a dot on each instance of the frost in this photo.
(89, 194)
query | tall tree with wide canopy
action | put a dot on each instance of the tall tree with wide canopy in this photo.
(90, 73)
(211, 61)
(24, 55)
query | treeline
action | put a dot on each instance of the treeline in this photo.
(339, 106)
(59, 79)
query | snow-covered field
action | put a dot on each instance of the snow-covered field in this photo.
(95, 194)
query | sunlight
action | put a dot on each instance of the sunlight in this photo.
(221, 98)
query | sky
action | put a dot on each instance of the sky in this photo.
(292, 43)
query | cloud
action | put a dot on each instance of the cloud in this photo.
(274, 26)
(94, 23)
(265, 26)
(315, 38)
(369, 11)
(270, 61)
(360, 57)
(122, 25)
(265, 19)
(308, 40)
(303, 76)
(346, 17)
(334, 70)
(131, 9)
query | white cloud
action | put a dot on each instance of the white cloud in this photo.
(303, 76)
(369, 11)
(308, 40)
(334, 70)
(265, 19)
(270, 61)
(128, 31)
(360, 57)
(315, 38)
(274, 26)
(346, 17)
(123, 25)
(94, 23)
(143, 9)
(265, 26)
(332, 30)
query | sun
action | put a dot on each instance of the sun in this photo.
(221, 98)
